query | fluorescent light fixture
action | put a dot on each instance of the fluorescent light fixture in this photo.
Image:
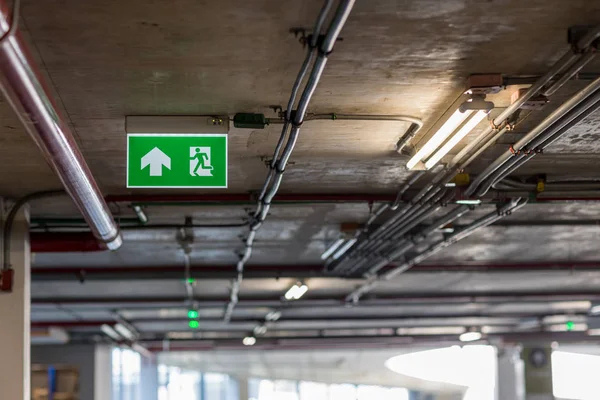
(593, 332)
(260, 330)
(110, 332)
(273, 316)
(442, 134)
(344, 248)
(139, 211)
(595, 310)
(469, 202)
(142, 350)
(332, 248)
(458, 136)
(431, 330)
(470, 336)
(125, 332)
(296, 291)
(450, 184)
(249, 341)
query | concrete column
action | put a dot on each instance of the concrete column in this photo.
(242, 385)
(103, 372)
(15, 310)
(511, 374)
(149, 378)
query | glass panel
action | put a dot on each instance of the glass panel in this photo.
(574, 376)
(313, 391)
(342, 392)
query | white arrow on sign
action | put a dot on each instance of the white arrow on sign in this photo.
(156, 159)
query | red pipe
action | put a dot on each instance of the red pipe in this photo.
(253, 301)
(70, 324)
(565, 199)
(49, 242)
(250, 198)
(275, 270)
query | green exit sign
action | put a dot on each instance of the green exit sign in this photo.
(176, 160)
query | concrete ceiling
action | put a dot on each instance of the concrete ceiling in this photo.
(107, 60)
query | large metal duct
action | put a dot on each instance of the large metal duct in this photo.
(25, 90)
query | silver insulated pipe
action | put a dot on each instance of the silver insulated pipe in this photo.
(25, 90)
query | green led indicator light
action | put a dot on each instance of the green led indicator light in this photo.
(194, 324)
(570, 325)
(191, 281)
(192, 314)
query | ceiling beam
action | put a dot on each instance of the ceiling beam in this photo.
(323, 300)
(249, 198)
(358, 342)
(363, 320)
(205, 272)
(174, 272)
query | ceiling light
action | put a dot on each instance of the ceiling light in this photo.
(593, 332)
(458, 136)
(445, 130)
(142, 350)
(344, 248)
(139, 211)
(470, 336)
(125, 332)
(273, 316)
(110, 332)
(595, 310)
(469, 202)
(296, 291)
(260, 330)
(332, 248)
(249, 341)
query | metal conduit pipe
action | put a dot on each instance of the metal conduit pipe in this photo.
(564, 62)
(542, 141)
(358, 252)
(28, 94)
(572, 71)
(368, 236)
(553, 138)
(483, 138)
(397, 219)
(413, 212)
(589, 38)
(555, 116)
(381, 246)
(488, 142)
(411, 181)
(415, 123)
(466, 231)
(409, 243)
(275, 176)
(486, 138)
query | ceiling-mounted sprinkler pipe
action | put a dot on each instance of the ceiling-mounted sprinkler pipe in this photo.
(25, 90)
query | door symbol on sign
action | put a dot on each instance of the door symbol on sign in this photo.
(200, 161)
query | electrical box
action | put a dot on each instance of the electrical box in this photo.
(535, 103)
(250, 121)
